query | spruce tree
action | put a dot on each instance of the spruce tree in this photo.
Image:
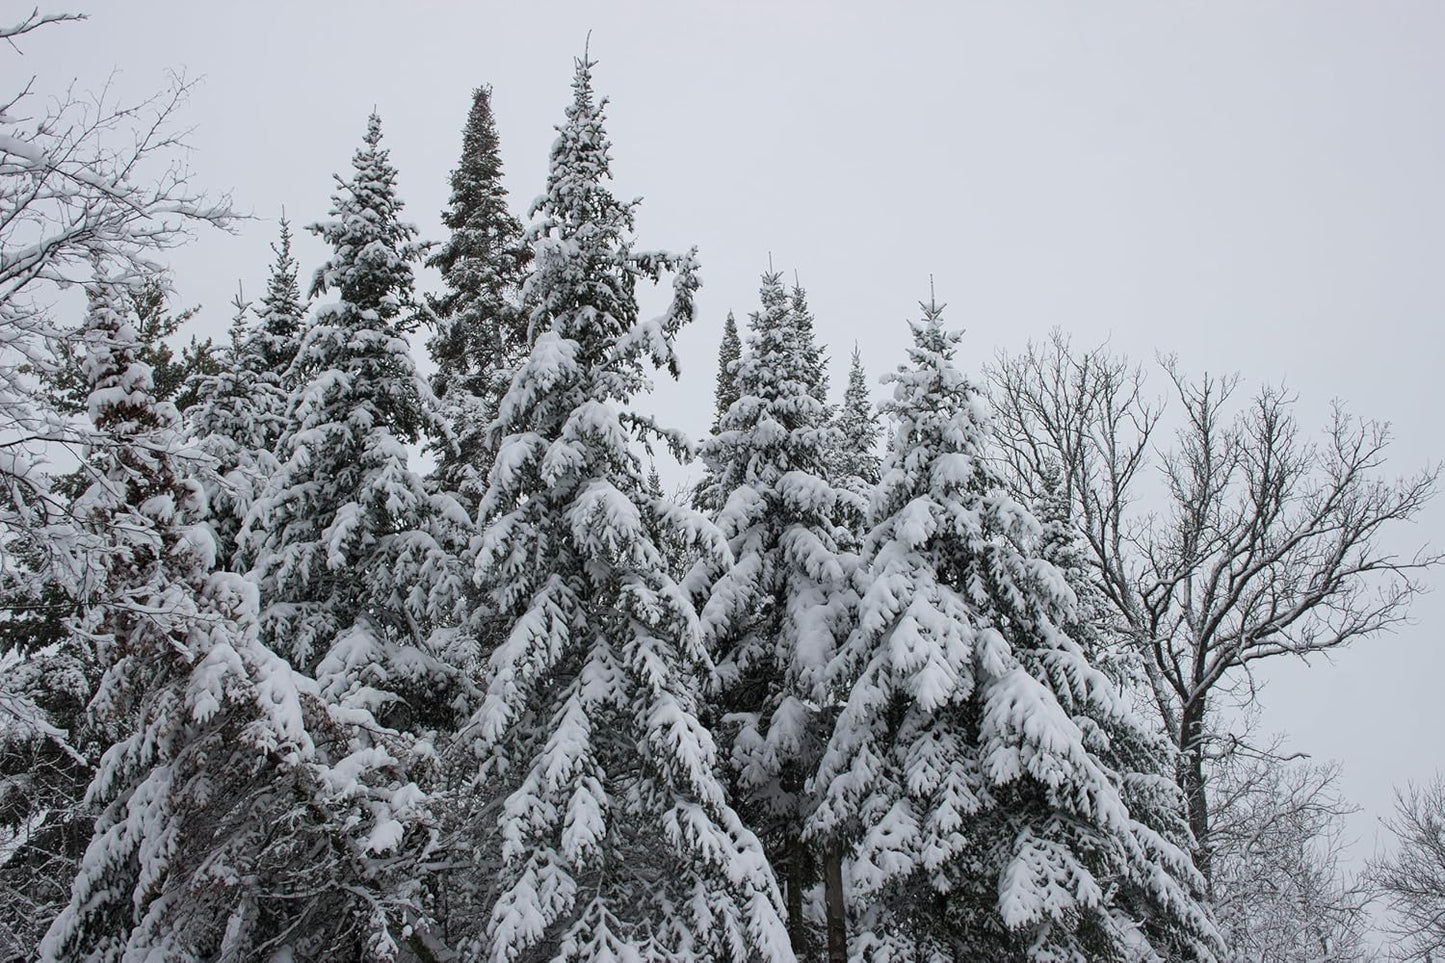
(277, 337)
(1157, 890)
(240, 411)
(814, 353)
(728, 354)
(225, 423)
(856, 462)
(481, 328)
(602, 819)
(858, 425)
(708, 496)
(201, 716)
(772, 619)
(348, 543)
(357, 562)
(963, 771)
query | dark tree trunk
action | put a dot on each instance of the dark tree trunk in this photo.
(797, 877)
(833, 906)
(1191, 781)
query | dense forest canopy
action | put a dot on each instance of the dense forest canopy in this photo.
(372, 631)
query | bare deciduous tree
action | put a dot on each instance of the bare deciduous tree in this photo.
(1412, 880)
(1280, 891)
(87, 183)
(1258, 543)
(89, 186)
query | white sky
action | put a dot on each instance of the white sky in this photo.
(1255, 186)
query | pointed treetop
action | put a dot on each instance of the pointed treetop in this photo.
(373, 249)
(281, 307)
(581, 157)
(729, 352)
(481, 327)
(813, 353)
(858, 466)
(933, 311)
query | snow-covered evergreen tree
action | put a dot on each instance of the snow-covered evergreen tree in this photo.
(350, 548)
(196, 706)
(601, 812)
(813, 352)
(729, 352)
(772, 619)
(275, 339)
(240, 411)
(481, 332)
(1156, 893)
(225, 420)
(358, 563)
(858, 464)
(708, 496)
(964, 770)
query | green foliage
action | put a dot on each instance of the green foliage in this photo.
(149, 310)
(481, 328)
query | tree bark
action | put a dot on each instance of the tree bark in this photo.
(1191, 780)
(833, 905)
(797, 926)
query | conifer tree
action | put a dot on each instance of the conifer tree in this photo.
(348, 543)
(773, 618)
(277, 337)
(1157, 892)
(963, 769)
(148, 307)
(225, 421)
(708, 496)
(194, 704)
(728, 354)
(481, 328)
(858, 425)
(240, 411)
(357, 562)
(813, 352)
(604, 820)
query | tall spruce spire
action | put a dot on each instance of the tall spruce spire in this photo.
(729, 351)
(481, 328)
(610, 835)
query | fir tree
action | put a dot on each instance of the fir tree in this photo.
(240, 412)
(962, 770)
(1155, 891)
(147, 306)
(225, 423)
(858, 425)
(708, 496)
(277, 337)
(813, 352)
(356, 559)
(481, 333)
(196, 707)
(728, 355)
(604, 822)
(345, 535)
(772, 619)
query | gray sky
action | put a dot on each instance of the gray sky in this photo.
(1255, 186)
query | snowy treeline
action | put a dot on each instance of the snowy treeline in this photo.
(270, 693)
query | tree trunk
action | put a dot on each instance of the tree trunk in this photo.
(1191, 781)
(797, 926)
(833, 906)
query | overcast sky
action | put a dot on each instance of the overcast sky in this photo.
(1255, 186)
